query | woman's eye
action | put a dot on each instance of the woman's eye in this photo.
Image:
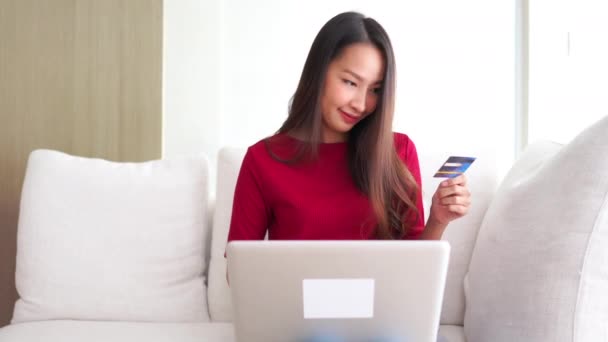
(377, 90)
(350, 83)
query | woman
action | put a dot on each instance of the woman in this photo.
(335, 169)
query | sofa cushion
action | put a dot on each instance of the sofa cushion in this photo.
(461, 234)
(538, 271)
(101, 240)
(90, 331)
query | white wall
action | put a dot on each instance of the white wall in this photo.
(233, 65)
(192, 73)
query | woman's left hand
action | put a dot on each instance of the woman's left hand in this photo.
(451, 200)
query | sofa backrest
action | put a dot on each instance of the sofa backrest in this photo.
(482, 182)
(218, 293)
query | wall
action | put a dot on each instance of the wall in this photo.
(192, 49)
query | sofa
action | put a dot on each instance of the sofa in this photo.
(113, 251)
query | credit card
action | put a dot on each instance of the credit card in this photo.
(454, 167)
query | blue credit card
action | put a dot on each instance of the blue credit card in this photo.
(454, 166)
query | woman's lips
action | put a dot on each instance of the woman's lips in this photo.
(350, 119)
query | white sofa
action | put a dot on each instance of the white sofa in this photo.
(127, 252)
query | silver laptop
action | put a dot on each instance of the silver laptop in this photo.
(300, 291)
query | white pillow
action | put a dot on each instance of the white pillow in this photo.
(101, 240)
(538, 271)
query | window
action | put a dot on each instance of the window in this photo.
(568, 72)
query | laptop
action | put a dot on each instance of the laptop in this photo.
(300, 291)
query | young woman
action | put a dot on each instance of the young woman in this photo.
(335, 169)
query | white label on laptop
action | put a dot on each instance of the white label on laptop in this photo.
(338, 298)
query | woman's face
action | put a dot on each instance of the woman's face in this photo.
(351, 90)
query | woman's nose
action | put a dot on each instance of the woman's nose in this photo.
(358, 102)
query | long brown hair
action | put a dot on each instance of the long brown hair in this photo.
(373, 161)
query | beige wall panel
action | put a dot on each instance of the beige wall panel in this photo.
(80, 76)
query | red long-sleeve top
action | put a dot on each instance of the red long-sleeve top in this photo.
(315, 200)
